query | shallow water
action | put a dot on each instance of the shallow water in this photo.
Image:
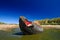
(50, 34)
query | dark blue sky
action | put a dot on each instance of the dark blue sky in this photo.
(10, 10)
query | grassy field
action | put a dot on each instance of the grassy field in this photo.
(48, 34)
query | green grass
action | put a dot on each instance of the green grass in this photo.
(48, 34)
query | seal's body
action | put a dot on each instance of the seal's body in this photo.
(27, 27)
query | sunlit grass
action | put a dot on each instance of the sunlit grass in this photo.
(48, 34)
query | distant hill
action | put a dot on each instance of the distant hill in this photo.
(53, 21)
(2, 23)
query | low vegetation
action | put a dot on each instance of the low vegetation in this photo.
(2, 23)
(53, 21)
(48, 34)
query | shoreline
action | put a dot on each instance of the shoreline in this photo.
(6, 27)
(51, 26)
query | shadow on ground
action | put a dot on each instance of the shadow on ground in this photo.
(19, 33)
